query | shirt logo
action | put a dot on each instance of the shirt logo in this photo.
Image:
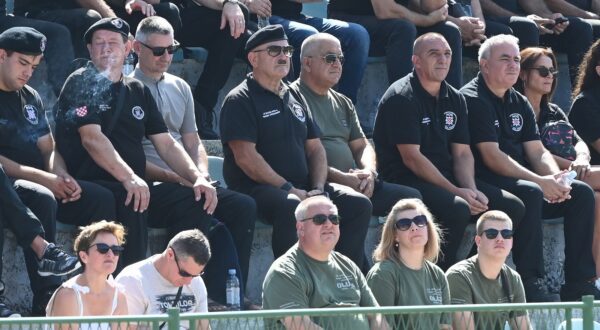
(30, 113)
(81, 111)
(298, 112)
(117, 23)
(137, 112)
(43, 44)
(516, 122)
(426, 120)
(434, 295)
(496, 123)
(450, 120)
(271, 113)
(104, 107)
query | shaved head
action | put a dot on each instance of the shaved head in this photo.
(311, 45)
(425, 40)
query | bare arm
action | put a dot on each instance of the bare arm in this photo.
(157, 173)
(490, 8)
(299, 323)
(535, 7)
(363, 153)
(98, 5)
(464, 168)
(317, 163)
(596, 7)
(463, 321)
(65, 304)
(195, 149)
(521, 323)
(567, 9)
(540, 158)
(253, 164)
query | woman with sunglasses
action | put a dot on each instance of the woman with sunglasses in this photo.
(405, 273)
(537, 81)
(94, 292)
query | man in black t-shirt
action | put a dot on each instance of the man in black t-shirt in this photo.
(510, 155)
(588, 10)
(422, 140)
(273, 152)
(101, 120)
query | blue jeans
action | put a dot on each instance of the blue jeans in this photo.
(353, 38)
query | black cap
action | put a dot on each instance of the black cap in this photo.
(24, 40)
(114, 24)
(269, 33)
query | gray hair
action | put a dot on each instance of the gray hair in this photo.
(310, 45)
(191, 243)
(151, 25)
(303, 207)
(486, 48)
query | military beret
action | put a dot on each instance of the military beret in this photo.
(114, 24)
(23, 40)
(267, 34)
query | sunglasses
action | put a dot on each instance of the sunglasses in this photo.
(320, 219)
(544, 71)
(492, 233)
(274, 50)
(182, 272)
(331, 58)
(160, 51)
(405, 223)
(103, 248)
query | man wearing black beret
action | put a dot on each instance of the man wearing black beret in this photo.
(273, 152)
(37, 173)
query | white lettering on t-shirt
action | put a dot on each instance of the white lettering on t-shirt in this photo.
(435, 295)
(343, 282)
(426, 120)
(270, 113)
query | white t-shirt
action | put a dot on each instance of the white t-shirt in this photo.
(149, 293)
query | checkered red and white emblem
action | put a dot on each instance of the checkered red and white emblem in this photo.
(81, 111)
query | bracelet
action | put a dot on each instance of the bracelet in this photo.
(287, 186)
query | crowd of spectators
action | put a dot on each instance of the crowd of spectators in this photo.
(446, 154)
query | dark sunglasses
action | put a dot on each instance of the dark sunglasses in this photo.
(405, 223)
(544, 71)
(492, 233)
(331, 58)
(160, 51)
(274, 50)
(103, 248)
(182, 272)
(320, 219)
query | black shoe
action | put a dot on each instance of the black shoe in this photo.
(573, 291)
(57, 262)
(7, 312)
(535, 291)
(40, 301)
(204, 122)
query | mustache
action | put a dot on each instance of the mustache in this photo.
(282, 62)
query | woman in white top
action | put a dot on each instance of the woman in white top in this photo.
(94, 292)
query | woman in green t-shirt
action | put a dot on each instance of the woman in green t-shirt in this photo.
(405, 273)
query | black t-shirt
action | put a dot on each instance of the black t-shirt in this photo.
(279, 126)
(22, 123)
(585, 118)
(88, 97)
(409, 115)
(286, 9)
(352, 7)
(511, 5)
(509, 121)
(34, 6)
(582, 4)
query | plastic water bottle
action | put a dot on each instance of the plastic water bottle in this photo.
(128, 65)
(568, 178)
(232, 291)
(263, 21)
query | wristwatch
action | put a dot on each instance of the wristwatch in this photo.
(235, 2)
(287, 186)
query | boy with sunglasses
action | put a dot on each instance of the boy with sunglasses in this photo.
(486, 279)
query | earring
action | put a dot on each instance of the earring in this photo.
(396, 245)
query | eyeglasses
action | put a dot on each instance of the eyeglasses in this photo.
(103, 248)
(274, 50)
(160, 51)
(405, 223)
(319, 219)
(182, 272)
(492, 233)
(331, 58)
(544, 71)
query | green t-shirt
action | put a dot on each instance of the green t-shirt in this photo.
(335, 115)
(469, 286)
(296, 281)
(394, 284)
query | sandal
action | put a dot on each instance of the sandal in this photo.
(250, 306)
(214, 306)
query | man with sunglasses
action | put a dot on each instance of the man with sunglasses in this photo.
(273, 152)
(509, 154)
(154, 45)
(312, 275)
(344, 141)
(170, 279)
(486, 279)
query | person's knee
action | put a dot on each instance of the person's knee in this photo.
(460, 210)
(581, 32)
(582, 192)
(526, 30)
(357, 36)
(401, 30)
(451, 33)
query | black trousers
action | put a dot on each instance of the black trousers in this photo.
(166, 10)
(386, 195)
(453, 213)
(578, 213)
(277, 208)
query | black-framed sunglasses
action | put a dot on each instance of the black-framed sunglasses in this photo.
(319, 219)
(331, 58)
(405, 223)
(275, 50)
(182, 272)
(492, 233)
(103, 248)
(544, 71)
(160, 51)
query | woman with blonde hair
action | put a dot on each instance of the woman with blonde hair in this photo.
(404, 272)
(94, 292)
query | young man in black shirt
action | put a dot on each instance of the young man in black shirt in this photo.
(510, 155)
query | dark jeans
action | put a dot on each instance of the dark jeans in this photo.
(76, 20)
(453, 213)
(277, 208)
(578, 213)
(59, 49)
(386, 195)
(574, 41)
(166, 10)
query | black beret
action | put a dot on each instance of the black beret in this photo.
(269, 33)
(114, 24)
(24, 40)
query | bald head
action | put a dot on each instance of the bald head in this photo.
(313, 44)
(425, 41)
(322, 61)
